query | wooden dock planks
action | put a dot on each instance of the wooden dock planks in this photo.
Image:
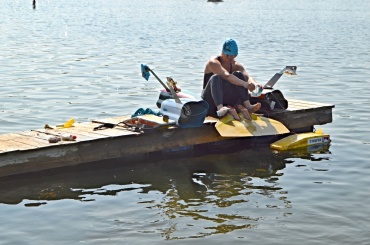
(303, 114)
(30, 150)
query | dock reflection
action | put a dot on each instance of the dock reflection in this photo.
(191, 185)
(189, 172)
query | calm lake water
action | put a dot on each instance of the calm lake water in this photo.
(82, 59)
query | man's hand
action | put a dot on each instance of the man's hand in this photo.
(251, 86)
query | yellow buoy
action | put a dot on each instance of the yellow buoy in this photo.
(301, 140)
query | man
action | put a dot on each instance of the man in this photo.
(226, 84)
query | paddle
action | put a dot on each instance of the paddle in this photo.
(289, 70)
(145, 74)
(258, 126)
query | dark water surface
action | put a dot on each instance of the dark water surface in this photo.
(82, 59)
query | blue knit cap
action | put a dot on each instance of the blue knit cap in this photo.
(230, 47)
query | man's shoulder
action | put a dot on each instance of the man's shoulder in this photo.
(214, 59)
(213, 65)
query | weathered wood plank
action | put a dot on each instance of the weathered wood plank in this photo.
(82, 152)
(19, 142)
(113, 119)
(301, 114)
(110, 132)
(310, 118)
(30, 150)
(39, 138)
(49, 133)
(300, 105)
(85, 131)
(27, 139)
(10, 145)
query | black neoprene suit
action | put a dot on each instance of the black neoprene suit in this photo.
(218, 91)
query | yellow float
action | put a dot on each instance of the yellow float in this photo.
(301, 140)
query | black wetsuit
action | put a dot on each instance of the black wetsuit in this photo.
(218, 91)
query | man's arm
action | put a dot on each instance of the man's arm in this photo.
(251, 80)
(215, 67)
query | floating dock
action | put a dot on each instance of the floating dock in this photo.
(30, 151)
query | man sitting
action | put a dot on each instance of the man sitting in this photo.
(226, 84)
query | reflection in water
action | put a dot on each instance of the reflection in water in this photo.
(200, 195)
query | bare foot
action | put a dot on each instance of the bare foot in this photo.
(244, 112)
(254, 108)
(233, 113)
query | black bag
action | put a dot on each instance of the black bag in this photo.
(270, 100)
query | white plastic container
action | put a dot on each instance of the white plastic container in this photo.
(170, 108)
(190, 113)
